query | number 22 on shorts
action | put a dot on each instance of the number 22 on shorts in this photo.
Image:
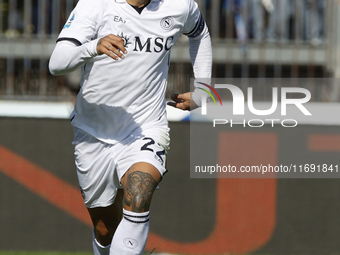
(158, 154)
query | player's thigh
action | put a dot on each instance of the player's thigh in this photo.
(96, 170)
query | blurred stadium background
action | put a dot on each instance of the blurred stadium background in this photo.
(40, 206)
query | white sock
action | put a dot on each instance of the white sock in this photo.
(131, 235)
(99, 249)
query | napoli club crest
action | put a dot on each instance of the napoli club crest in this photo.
(167, 23)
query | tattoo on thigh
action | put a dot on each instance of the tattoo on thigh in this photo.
(139, 189)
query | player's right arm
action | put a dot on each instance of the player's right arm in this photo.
(76, 43)
(68, 56)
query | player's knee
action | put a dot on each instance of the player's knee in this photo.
(139, 189)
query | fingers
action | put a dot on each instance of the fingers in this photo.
(183, 101)
(176, 98)
(113, 46)
(118, 42)
(173, 104)
(180, 101)
(183, 106)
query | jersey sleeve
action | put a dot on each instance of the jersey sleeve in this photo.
(83, 23)
(195, 23)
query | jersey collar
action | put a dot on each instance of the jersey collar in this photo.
(124, 1)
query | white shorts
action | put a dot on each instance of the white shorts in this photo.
(100, 166)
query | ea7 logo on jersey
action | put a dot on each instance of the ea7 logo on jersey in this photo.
(167, 23)
(118, 19)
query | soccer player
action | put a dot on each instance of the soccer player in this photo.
(121, 133)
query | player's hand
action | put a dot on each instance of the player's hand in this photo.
(183, 101)
(113, 46)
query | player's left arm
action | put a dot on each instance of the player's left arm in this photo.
(201, 58)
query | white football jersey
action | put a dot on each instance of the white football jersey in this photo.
(127, 97)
